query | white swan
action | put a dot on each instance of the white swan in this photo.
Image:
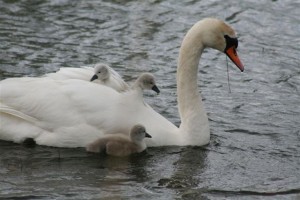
(121, 144)
(101, 74)
(72, 113)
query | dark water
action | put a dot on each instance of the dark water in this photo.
(255, 148)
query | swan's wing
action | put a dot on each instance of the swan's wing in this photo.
(116, 81)
(115, 74)
(85, 73)
(64, 73)
(17, 114)
(54, 113)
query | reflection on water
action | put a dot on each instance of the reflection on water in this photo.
(254, 151)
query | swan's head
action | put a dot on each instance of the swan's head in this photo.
(217, 34)
(146, 81)
(101, 72)
(138, 133)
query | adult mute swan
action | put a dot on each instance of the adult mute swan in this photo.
(121, 144)
(73, 113)
(101, 74)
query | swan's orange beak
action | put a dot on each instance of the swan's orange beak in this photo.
(232, 54)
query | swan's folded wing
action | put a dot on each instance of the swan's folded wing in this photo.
(84, 73)
(117, 80)
(15, 113)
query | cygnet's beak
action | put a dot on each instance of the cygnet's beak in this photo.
(147, 135)
(155, 88)
(94, 77)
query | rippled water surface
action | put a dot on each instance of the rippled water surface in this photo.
(255, 147)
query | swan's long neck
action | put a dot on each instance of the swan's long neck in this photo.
(194, 121)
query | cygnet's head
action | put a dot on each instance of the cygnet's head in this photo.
(138, 133)
(146, 81)
(101, 72)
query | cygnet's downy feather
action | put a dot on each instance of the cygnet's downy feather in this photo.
(119, 144)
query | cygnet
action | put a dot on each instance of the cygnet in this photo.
(108, 77)
(120, 144)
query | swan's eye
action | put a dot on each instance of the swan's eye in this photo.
(231, 42)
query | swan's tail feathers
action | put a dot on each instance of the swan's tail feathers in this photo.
(15, 113)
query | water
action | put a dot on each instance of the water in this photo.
(254, 151)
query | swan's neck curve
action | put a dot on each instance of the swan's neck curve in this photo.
(194, 122)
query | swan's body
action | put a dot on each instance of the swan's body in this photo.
(105, 76)
(73, 113)
(121, 144)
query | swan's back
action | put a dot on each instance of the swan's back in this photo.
(114, 81)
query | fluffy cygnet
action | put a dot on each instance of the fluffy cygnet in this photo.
(101, 72)
(146, 81)
(120, 144)
(109, 77)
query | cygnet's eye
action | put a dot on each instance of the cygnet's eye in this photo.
(146, 82)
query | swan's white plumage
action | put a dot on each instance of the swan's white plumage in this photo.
(114, 80)
(72, 113)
